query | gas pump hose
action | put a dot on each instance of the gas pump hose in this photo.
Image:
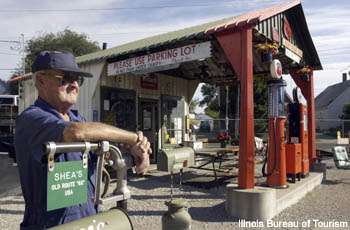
(263, 170)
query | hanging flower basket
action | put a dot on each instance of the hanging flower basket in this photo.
(266, 57)
(267, 51)
(304, 73)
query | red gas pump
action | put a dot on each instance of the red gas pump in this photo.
(276, 159)
(298, 137)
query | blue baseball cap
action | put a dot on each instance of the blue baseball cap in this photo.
(58, 60)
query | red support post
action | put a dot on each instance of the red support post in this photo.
(238, 48)
(307, 89)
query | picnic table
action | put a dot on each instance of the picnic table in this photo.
(212, 156)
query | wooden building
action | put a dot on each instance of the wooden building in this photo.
(147, 84)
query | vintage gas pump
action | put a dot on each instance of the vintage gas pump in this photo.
(276, 159)
(298, 133)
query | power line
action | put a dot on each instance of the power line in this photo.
(9, 54)
(222, 4)
(9, 41)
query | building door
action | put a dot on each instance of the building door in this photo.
(118, 108)
(148, 124)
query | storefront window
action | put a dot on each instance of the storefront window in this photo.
(172, 119)
(147, 119)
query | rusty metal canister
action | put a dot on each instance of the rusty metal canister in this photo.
(113, 219)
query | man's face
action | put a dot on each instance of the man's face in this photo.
(60, 89)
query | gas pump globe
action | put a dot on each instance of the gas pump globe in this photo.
(276, 90)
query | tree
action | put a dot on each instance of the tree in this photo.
(346, 116)
(346, 112)
(66, 40)
(211, 100)
(3, 87)
(260, 99)
(193, 105)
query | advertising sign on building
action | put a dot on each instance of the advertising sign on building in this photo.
(166, 58)
(292, 51)
(149, 81)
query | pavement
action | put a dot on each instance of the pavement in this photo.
(323, 208)
(9, 174)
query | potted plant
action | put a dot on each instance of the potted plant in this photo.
(224, 138)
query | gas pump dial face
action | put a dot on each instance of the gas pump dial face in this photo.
(299, 94)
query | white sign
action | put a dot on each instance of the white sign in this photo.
(292, 55)
(276, 68)
(161, 59)
(106, 105)
(292, 51)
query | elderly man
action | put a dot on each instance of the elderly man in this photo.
(57, 79)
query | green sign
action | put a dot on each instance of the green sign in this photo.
(66, 185)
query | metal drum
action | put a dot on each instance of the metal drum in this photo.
(112, 219)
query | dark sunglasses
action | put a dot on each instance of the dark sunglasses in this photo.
(69, 78)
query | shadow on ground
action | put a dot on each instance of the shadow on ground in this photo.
(211, 214)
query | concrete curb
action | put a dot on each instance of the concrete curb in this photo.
(263, 203)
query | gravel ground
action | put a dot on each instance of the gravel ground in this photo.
(328, 202)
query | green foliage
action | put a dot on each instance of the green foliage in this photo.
(3, 87)
(346, 112)
(209, 93)
(213, 109)
(212, 113)
(66, 40)
(260, 99)
(210, 99)
(346, 116)
(193, 105)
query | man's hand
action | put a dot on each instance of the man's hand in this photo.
(140, 151)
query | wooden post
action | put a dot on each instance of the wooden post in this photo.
(238, 49)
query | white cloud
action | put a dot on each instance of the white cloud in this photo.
(328, 25)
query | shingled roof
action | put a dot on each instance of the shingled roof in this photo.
(330, 94)
(151, 42)
(205, 30)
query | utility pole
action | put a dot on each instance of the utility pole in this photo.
(226, 109)
(23, 54)
(20, 47)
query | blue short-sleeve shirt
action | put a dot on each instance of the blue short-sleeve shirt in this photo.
(35, 126)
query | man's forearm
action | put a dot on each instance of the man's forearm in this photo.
(95, 131)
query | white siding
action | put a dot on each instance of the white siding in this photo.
(89, 95)
(167, 85)
(27, 94)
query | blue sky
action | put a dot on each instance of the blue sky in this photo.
(328, 22)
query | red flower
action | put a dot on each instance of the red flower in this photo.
(223, 136)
